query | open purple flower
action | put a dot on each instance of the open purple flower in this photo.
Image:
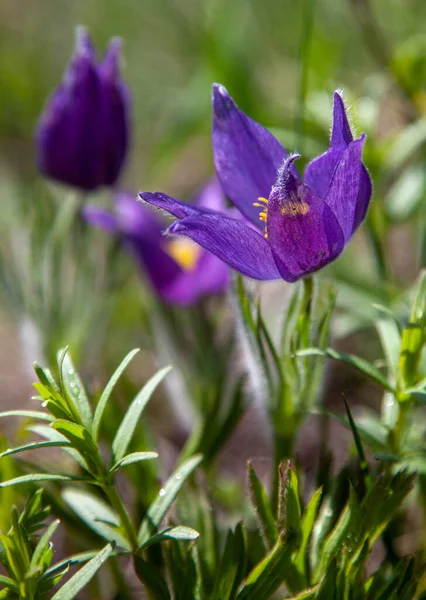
(83, 133)
(180, 271)
(294, 227)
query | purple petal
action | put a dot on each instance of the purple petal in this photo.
(347, 197)
(100, 217)
(210, 276)
(341, 134)
(135, 219)
(303, 232)
(238, 245)
(319, 171)
(115, 114)
(170, 205)
(82, 134)
(211, 196)
(246, 155)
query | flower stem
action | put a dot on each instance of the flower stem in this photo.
(125, 520)
(304, 53)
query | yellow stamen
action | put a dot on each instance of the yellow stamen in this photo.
(263, 214)
(184, 252)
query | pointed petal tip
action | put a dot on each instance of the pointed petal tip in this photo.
(221, 101)
(285, 168)
(83, 42)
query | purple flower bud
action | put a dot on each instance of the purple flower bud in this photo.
(83, 133)
(294, 227)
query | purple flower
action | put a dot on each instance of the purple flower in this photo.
(180, 271)
(82, 135)
(293, 227)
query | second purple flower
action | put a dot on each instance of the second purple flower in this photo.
(83, 134)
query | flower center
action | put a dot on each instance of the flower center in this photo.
(263, 214)
(184, 252)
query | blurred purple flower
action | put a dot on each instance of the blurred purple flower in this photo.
(180, 271)
(295, 227)
(83, 133)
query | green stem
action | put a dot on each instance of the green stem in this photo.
(125, 520)
(304, 53)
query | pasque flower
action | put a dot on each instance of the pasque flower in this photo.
(83, 133)
(292, 227)
(180, 271)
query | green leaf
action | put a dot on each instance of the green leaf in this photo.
(151, 579)
(74, 388)
(172, 533)
(130, 421)
(80, 440)
(42, 544)
(96, 514)
(232, 567)
(310, 594)
(308, 522)
(36, 477)
(75, 559)
(159, 507)
(360, 364)
(268, 575)
(362, 458)
(77, 582)
(133, 458)
(103, 400)
(54, 436)
(10, 584)
(30, 414)
(349, 520)
(390, 339)
(262, 507)
(34, 446)
(47, 583)
(289, 513)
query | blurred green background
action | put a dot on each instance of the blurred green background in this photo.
(281, 60)
(174, 49)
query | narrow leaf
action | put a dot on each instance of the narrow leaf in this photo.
(172, 533)
(262, 507)
(133, 458)
(151, 579)
(96, 514)
(30, 414)
(130, 421)
(77, 582)
(308, 522)
(34, 446)
(103, 400)
(43, 544)
(74, 387)
(232, 567)
(39, 477)
(268, 575)
(360, 364)
(159, 507)
(362, 458)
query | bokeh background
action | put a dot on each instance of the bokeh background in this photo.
(281, 60)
